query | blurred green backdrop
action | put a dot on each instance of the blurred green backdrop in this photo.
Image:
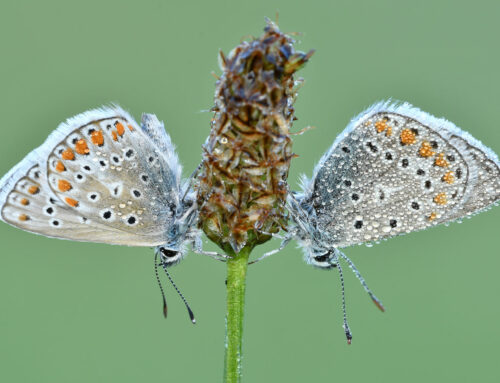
(92, 313)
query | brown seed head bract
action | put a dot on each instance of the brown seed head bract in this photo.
(242, 184)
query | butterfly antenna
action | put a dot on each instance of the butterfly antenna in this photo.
(190, 312)
(362, 281)
(165, 310)
(348, 333)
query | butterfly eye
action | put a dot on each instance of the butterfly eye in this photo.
(322, 258)
(168, 253)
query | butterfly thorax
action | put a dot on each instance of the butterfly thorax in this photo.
(180, 233)
(318, 250)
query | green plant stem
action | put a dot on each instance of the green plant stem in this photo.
(236, 283)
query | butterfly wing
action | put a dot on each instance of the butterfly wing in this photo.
(99, 177)
(396, 169)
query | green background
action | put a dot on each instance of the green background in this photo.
(92, 313)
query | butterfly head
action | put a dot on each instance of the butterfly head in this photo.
(170, 255)
(321, 258)
(174, 250)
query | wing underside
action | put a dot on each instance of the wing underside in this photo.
(99, 178)
(395, 170)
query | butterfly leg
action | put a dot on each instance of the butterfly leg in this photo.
(190, 181)
(285, 242)
(360, 278)
(274, 235)
(302, 131)
(197, 248)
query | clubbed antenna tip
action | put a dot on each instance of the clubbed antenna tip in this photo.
(191, 315)
(378, 303)
(349, 338)
(190, 312)
(165, 308)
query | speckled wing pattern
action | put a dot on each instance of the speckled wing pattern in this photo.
(396, 169)
(100, 177)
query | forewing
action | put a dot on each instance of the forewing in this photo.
(104, 177)
(395, 170)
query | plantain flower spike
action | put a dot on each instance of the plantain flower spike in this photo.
(242, 182)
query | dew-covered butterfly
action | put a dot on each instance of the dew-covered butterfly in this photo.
(100, 177)
(393, 170)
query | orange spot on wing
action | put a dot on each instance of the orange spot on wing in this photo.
(440, 161)
(33, 189)
(64, 186)
(131, 128)
(23, 217)
(115, 135)
(408, 137)
(441, 199)
(60, 167)
(81, 147)
(68, 155)
(120, 129)
(432, 217)
(449, 177)
(380, 126)
(426, 150)
(71, 202)
(388, 132)
(25, 202)
(97, 138)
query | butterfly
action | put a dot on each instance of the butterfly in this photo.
(101, 177)
(395, 169)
